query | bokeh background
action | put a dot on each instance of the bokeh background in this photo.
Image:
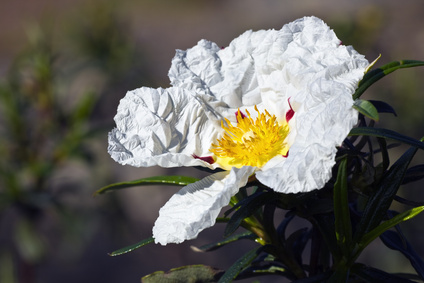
(64, 66)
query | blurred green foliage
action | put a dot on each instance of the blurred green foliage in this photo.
(51, 111)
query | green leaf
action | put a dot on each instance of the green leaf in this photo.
(378, 203)
(384, 153)
(373, 76)
(387, 134)
(28, 241)
(319, 278)
(325, 225)
(396, 241)
(341, 274)
(343, 227)
(210, 247)
(247, 209)
(158, 180)
(84, 108)
(372, 275)
(239, 265)
(366, 108)
(185, 274)
(383, 107)
(414, 174)
(401, 217)
(132, 247)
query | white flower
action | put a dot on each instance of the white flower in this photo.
(273, 103)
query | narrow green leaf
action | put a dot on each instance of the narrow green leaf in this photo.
(190, 273)
(158, 180)
(366, 108)
(132, 247)
(319, 278)
(341, 274)
(383, 107)
(384, 153)
(210, 247)
(239, 265)
(369, 274)
(397, 241)
(387, 134)
(263, 269)
(246, 210)
(325, 225)
(373, 76)
(343, 224)
(401, 217)
(84, 108)
(414, 174)
(378, 203)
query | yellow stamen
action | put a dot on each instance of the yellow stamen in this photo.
(251, 142)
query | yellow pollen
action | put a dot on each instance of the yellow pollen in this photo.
(251, 142)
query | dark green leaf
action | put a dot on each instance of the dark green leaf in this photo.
(401, 217)
(210, 247)
(373, 275)
(397, 242)
(296, 243)
(158, 180)
(84, 108)
(185, 274)
(341, 274)
(239, 265)
(378, 203)
(384, 153)
(325, 225)
(383, 107)
(267, 269)
(319, 278)
(414, 174)
(341, 209)
(385, 133)
(246, 210)
(281, 230)
(408, 202)
(366, 108)
(373, 76)
(132, 247)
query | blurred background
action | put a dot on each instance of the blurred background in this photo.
(64, 66)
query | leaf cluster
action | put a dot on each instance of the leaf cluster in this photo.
(352, 210)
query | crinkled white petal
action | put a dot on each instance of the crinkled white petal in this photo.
(303, 66)
(162, 127)
(303, 63)
(196, 206)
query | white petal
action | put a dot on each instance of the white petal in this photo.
(322, 122)
(196, 206)
(162, 127)
(304, 62)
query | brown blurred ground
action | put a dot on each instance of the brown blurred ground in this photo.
(392, 28)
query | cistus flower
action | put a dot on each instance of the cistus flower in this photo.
(274, 103)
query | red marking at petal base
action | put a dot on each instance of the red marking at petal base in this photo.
(208, 159)
(290, 113)
(285, 155)
(241, 114)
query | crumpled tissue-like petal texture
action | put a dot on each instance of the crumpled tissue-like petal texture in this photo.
(302, 67)
(162, 127)
(196, 206)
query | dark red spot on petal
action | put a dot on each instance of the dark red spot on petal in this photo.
(290, 113)
(285, 155)
(238, 115)
(208, 159)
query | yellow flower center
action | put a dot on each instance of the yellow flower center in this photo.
(251, 142)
